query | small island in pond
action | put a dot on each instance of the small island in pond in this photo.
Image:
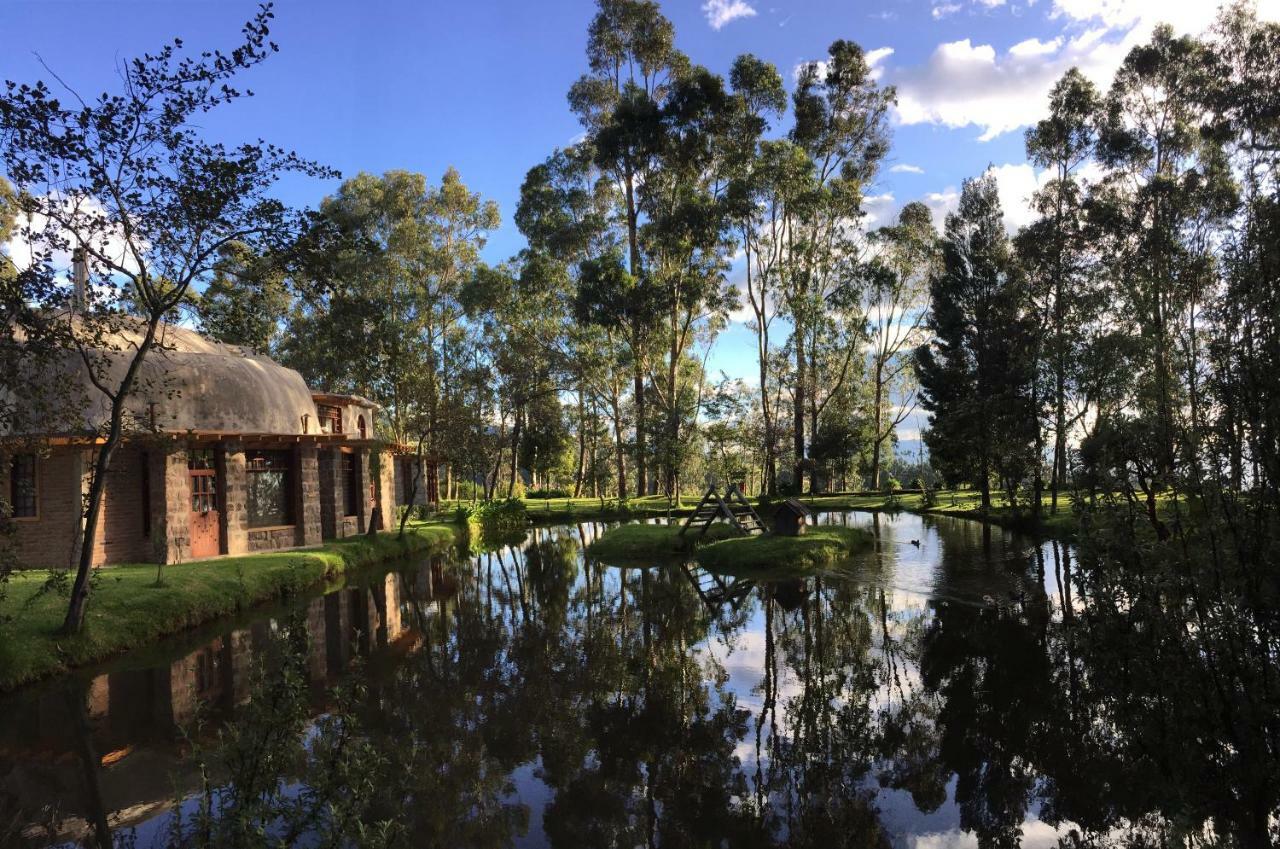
(721, 549)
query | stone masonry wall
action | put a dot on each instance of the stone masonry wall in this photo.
(234, 506)
(330, 518)
(307, 495)
(171, 501)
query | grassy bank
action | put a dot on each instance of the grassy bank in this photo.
(127, 609)
(963, 504)
(721, 551)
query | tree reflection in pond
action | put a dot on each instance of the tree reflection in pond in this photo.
(525, 696)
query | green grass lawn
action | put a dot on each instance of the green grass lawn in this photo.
(963, 503)
(722, 551)
(127, 609)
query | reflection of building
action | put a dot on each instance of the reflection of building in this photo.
(132, 714)
(228, 452)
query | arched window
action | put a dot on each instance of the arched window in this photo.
(360, 424)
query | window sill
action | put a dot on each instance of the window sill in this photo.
(273, 528)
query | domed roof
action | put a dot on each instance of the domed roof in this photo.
(190, 382)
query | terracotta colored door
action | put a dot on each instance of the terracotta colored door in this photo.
(205, 526)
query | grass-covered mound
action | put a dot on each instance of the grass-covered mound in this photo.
(721, 550)
(819, 546)
(629, 543)
(128, 609)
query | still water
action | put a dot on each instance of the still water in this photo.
(928, 693)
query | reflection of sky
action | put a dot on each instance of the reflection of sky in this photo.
(913, 578)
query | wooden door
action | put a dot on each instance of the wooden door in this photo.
(205, 525)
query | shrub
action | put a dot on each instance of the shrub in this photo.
(504, 517)
(547, 493)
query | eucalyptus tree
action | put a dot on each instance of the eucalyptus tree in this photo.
(246, 299)
(841, 124)
(1245, 320)
(632, 63)
(1167, 188)
(974, 372)
(686, 245)
(128, 180)
(564, 212)
(897, 307)
(765, 176)
(516, 307)
(386, 288)
(1057, 252)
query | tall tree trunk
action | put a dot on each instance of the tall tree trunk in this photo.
(97, 486)
(642, 480)
(620, 451)
(581, 469)
(878, 415)
(797, 425)
(516, 432)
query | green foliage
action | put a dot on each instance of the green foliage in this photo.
(504, 518)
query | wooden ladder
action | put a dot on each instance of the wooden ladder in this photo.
(714, 591)
(733, 508)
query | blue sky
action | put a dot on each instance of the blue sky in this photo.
(480, 85)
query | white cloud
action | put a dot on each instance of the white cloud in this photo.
(721, 12)
(1035, 47)
(875, 60)
(880, 210)
(965, 84)
(33, 238)
(941, 203)
(1016, 184)
(875, 57)
(907, 169)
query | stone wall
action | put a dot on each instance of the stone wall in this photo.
(364, 476)
(235, 508)
(171, 505)
(272, 539)
(387, 488)
(147, 504)
(330, 517)
(306, 493)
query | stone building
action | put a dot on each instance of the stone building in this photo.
(227, 452)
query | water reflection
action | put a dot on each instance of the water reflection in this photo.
(950, 688)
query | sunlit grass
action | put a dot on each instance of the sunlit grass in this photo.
(127, 608)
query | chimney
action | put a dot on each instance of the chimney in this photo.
(80, 279)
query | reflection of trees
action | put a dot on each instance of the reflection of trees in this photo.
(1132, 705)
(1171, 687)
(823, 750)
(988, 666)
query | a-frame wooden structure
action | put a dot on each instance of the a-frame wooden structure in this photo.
(733, 507)
(715, 591)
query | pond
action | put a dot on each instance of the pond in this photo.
(941, 690)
